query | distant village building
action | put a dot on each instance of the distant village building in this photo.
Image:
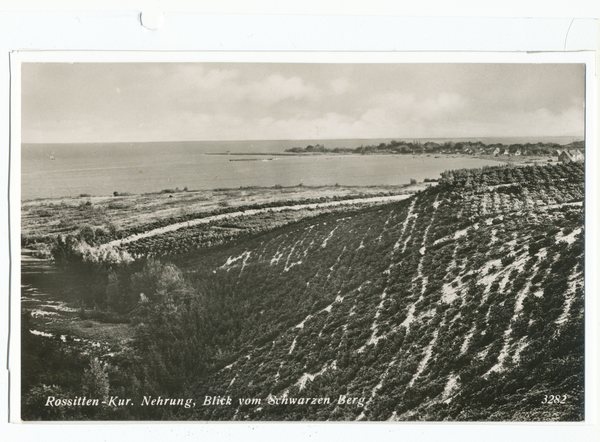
(567, 156)
(496, 152)
(518, 152)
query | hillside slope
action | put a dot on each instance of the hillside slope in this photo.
(464, 302)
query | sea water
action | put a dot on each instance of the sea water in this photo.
(63, 170)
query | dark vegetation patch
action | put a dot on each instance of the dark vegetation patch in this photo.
(224, 319)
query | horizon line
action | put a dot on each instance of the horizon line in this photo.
(575, 137)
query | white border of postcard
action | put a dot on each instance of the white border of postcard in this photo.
(336, 57)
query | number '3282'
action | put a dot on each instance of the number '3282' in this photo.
(554, 399)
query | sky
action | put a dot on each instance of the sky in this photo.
(141, 102)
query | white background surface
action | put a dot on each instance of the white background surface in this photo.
(288, 26)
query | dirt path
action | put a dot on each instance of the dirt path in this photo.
(195, 222)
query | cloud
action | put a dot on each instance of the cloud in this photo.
(329, 125)
(340, 86)
(197, 77)
(445, 102)
(277, 88)
(409, 105)
(545, 122)
(217, 90)
(219, 101)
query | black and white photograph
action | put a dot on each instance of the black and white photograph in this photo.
(303, 241)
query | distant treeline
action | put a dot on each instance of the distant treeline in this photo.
(449, 147)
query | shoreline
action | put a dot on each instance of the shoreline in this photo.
(166, 192)
(50, 217)
(258, 156)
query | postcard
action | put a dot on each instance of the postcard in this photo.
(316, 237)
